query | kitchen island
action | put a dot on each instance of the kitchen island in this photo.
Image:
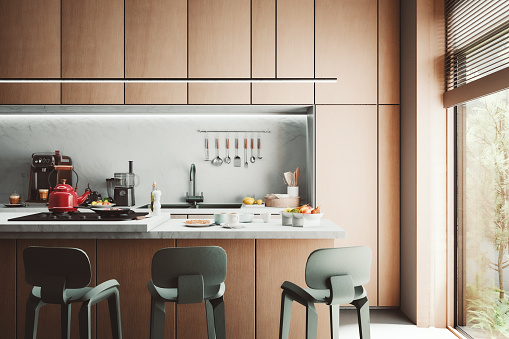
(261, 257)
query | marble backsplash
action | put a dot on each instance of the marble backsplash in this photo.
(162, 147)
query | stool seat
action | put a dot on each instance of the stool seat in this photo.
(188, 275)
(60, 275)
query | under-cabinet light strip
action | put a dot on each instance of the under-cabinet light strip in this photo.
(167, 80)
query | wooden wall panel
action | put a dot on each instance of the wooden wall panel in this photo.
(92, 47)
(263, 63)
(388, 51)
(156, 47)
(278, 261)
(388, 206)
(8, 287)
(129, 262)
(346, 48)
(239, 295)
(49, 315)
(294, 53)
(346, 176)
(30, 48)
(219, 40)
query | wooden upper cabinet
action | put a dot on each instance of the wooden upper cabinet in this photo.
(388, 52)
(156, 47)
(293, 53)
(346, 48)
(219, 39)
(30, 48)
(346, 176)
(92, 47)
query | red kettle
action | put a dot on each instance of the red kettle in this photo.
(63, 198)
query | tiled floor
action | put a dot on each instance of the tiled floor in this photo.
(389, 324)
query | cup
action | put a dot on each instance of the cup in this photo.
(220, 218)
(233, 219)
(293, 191)
(43, 193)
(266, 216)
(14, 198)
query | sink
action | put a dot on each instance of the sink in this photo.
(197, 206)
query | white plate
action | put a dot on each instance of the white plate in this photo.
(101, 206)
(233, 226)
(210, 223)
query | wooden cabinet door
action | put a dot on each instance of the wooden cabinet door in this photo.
(92, 47)
(239, 296)
(277, 261)
(49, 315)
(294, 53)
(129, 262)
(156, 47)
(346, 176)
(30, 48)
(8, 288)
(219, 47)
(388, 205)
(388, 52)
(346, 48)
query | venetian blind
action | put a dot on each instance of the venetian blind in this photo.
(477, 33)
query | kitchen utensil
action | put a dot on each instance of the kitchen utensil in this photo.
(63, 197)
(259, 146)
(297, 174)
(246, 164)
(289, 178)
(227, 159)
(236, 160)
(207, 148)
(253, 159)
(217, 161)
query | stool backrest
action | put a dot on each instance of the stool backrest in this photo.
(42, 263)
(170, 263)
(327, 262)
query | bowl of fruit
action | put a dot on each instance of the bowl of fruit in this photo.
(302, 216)
(101, 203)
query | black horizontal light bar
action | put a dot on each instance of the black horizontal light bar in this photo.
(164, 80)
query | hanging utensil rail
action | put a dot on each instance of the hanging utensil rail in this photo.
(233, 131)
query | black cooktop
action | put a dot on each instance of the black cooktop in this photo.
(77, 216)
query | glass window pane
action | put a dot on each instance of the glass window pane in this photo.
(483, 216)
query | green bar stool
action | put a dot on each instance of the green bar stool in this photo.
(334, 276)
(188, 275)
(61, 276)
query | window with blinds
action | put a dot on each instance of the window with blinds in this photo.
(477, 33)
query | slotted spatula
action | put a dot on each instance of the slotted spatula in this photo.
(236, 160)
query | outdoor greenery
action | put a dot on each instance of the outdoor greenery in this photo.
(486, 213)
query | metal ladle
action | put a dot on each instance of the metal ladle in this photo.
(253, 159)
(217, 161)
(227, 159)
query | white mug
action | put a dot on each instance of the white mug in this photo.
(233, 219)
(266, 216)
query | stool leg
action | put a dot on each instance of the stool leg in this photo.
(157, 315)
(334, 321)
(65, 321)
(32, 317)
(114, 306)
(362, 306)
(285, 316)
(85, 321)
(216, 327)
(311, 321)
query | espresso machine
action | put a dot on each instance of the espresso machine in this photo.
(43, 174)
(124, 187)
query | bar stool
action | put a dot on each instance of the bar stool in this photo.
(335, 276)
(61, 275)
(188, 275)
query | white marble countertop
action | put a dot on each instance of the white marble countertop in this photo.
(160, 227)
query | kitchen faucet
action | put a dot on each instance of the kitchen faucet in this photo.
(192, 178)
